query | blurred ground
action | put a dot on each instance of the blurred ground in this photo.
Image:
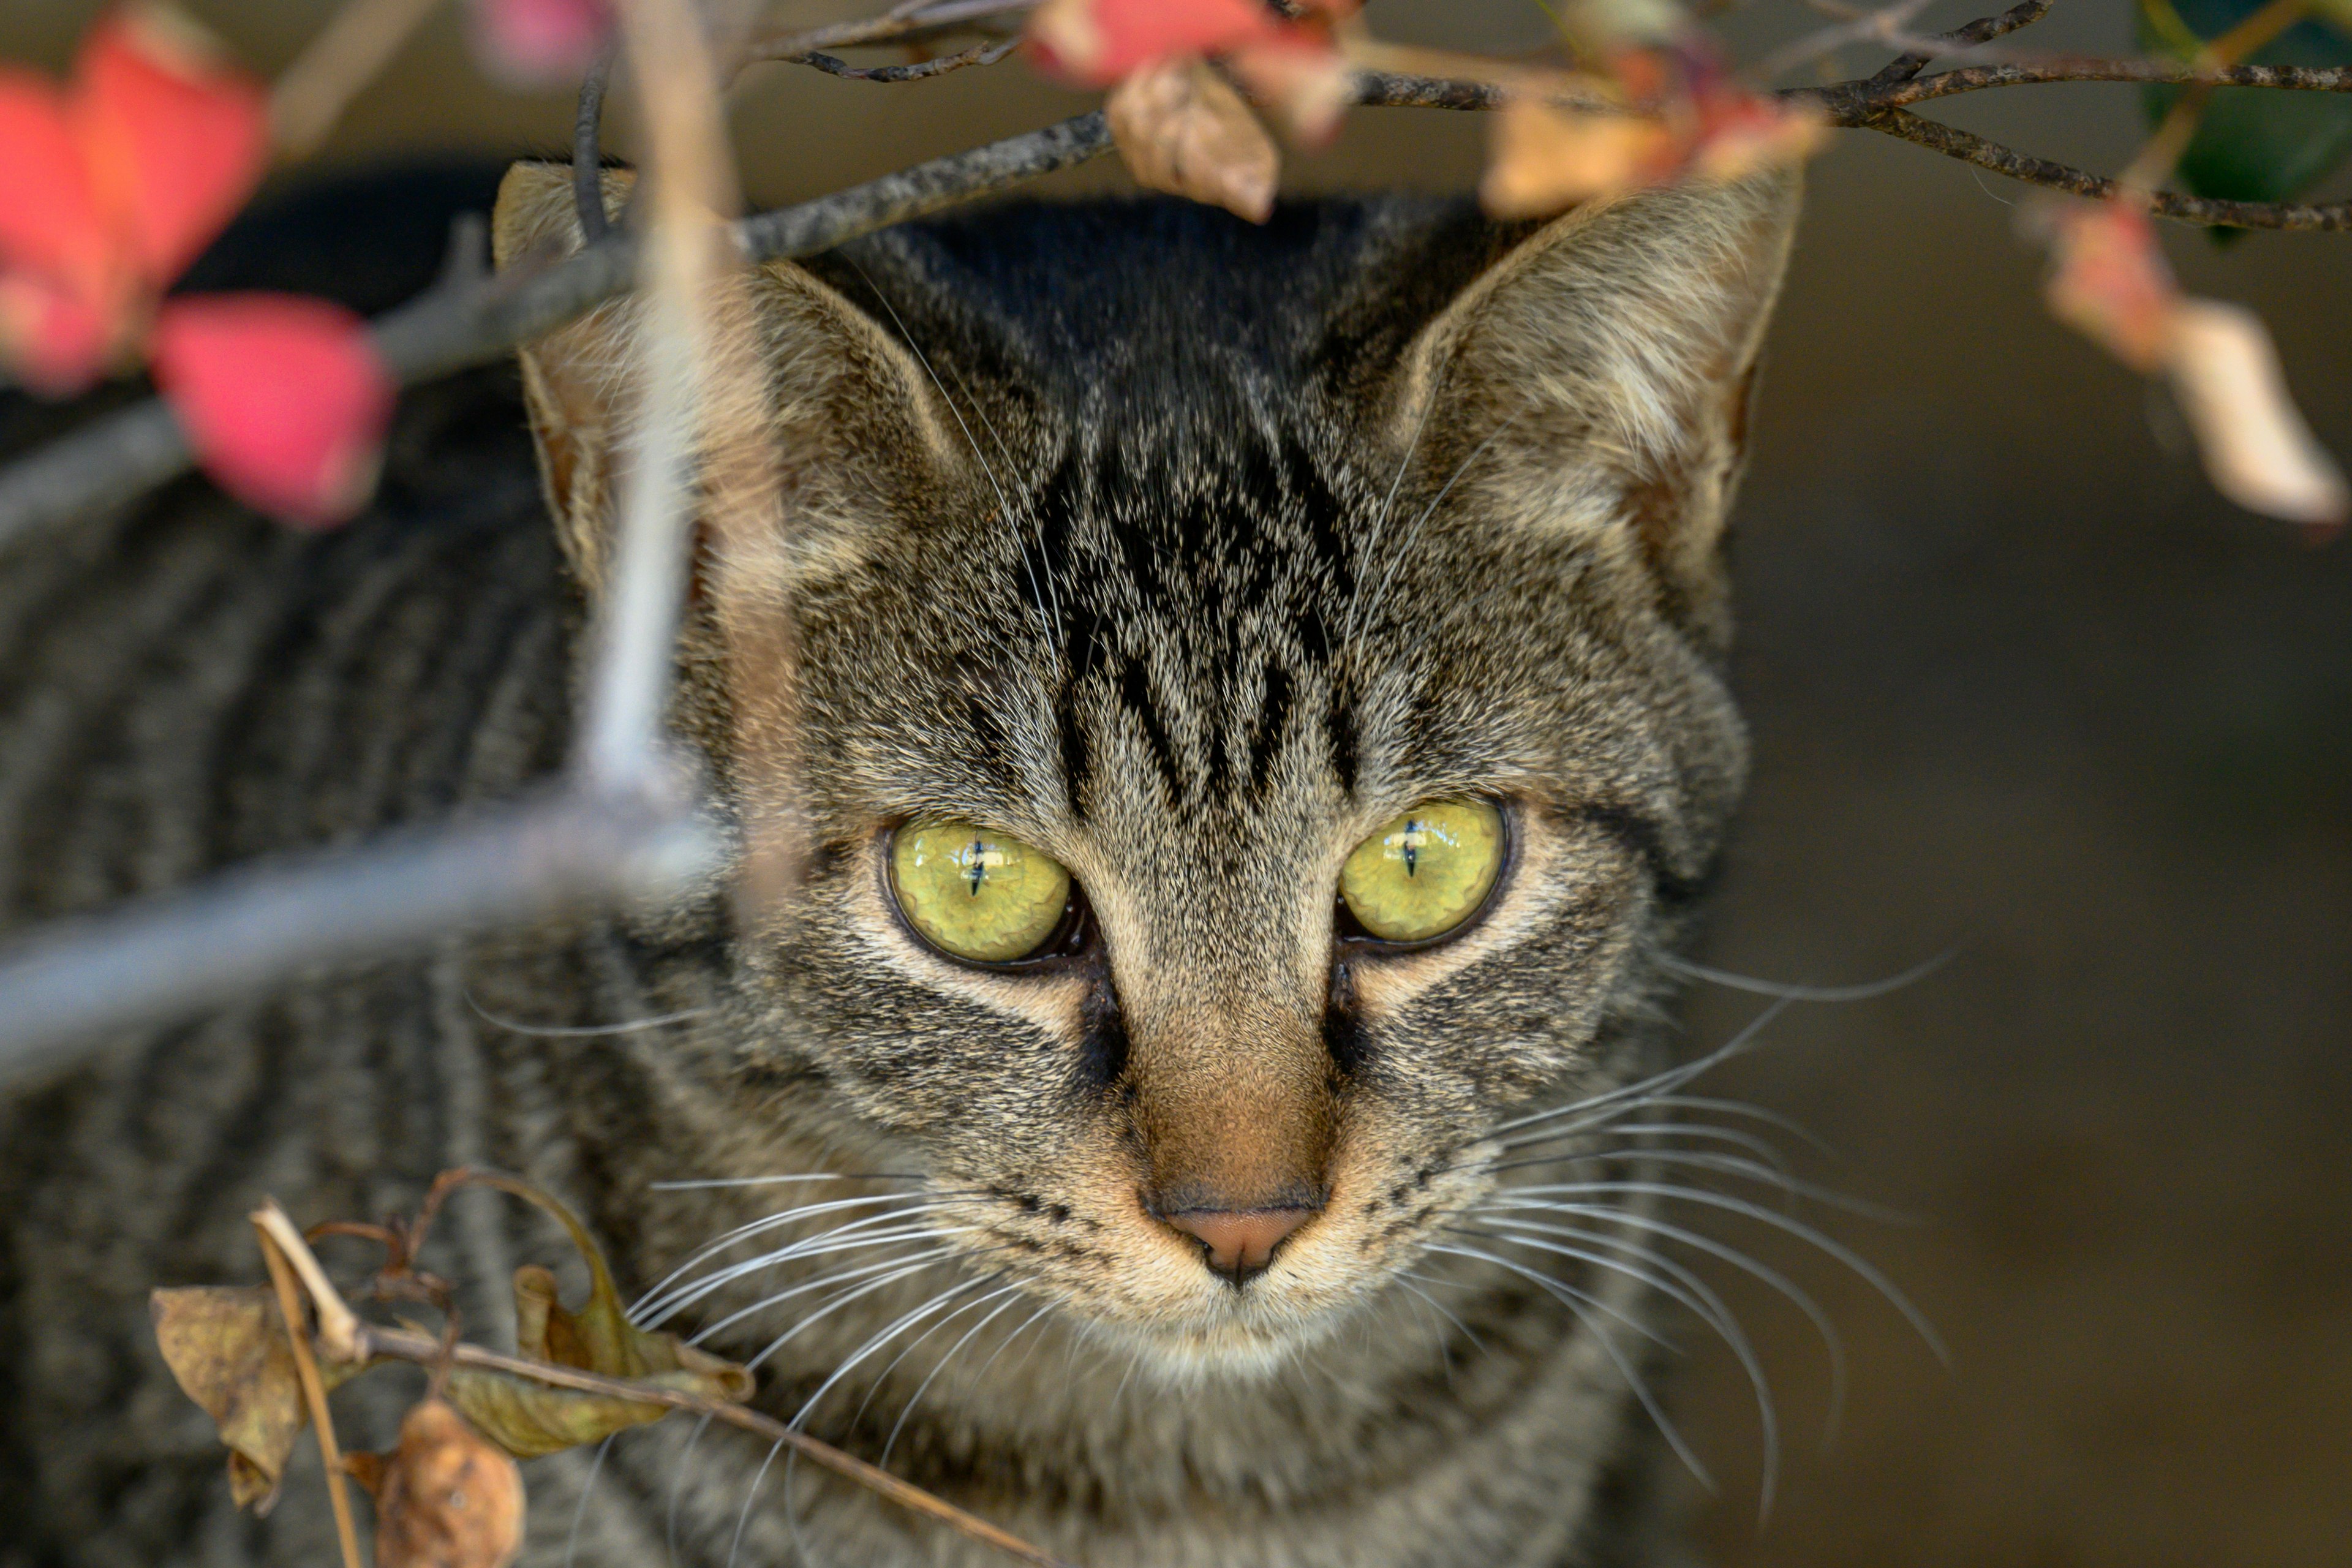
(2019, 684)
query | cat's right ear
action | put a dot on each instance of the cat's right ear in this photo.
(857, 429)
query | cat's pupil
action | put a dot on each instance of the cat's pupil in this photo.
(1412, 845)
(979, 872)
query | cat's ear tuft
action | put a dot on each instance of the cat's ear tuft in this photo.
(859, 430)
(1595, 380)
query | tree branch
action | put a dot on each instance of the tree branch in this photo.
(1972, 148)
(1975, 78)
(402, 1344)
(1983, 30)
(978, 55)
(123, 455)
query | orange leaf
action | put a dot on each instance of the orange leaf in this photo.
(175, 136)
(1181, 127)
(1740, 133)
(536, 42)
(2110, 281)
(1095, 43)
(283, 398)
(2258, 451)
(447, 1497)
(1547, 158)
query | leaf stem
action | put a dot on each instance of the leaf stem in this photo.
(306, 1367)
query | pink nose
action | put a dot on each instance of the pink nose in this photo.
(1240, 1243)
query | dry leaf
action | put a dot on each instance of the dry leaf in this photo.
(1548, 158)
(527, 1419)
(1744, 133)
(227, 1347)
(2110, 281)
(1309, 84)
(447, 1498)
(1181, 127)
(2258, 451)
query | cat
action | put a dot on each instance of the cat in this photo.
(1260, 723)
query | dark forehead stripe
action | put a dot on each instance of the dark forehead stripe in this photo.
(1214, 548)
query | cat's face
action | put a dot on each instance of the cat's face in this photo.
(1252, 724)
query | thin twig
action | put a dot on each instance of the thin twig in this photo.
(401, 1344)
(1976, 78)
(338, 1326)
(312, 93)
(121, 455)
(978, 55)
(245, 931)
(587, 155)
(1985, 155)
(1983, 30)
(314, 1387)
(902, 25)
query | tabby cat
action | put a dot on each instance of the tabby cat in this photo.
(1260, 723)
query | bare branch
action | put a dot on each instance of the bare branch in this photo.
(404, 1344)
(1974, 149)
(587, 155)
(1983, 30)
(903, 23)
(121, 455)
(260, 925)
(1974, 78)
(978, 55)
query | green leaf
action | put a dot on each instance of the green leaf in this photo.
(2254, 144)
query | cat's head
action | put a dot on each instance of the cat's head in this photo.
(1255, 706)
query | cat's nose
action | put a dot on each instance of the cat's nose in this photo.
(1240, 1244)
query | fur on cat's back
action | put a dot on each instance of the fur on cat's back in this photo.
(1181, 549)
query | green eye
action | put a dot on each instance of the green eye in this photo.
(975, 892)
(1426, 872)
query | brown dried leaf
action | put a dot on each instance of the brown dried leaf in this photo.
(2258, 451)
(447, 1498)
(227, 1347)
(1548, 158)
(1182, 128)
(527, 1419)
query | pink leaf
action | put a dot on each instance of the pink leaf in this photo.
(175, 136)
(538, 42)
(2109, 279)
(1095, 43)
(284, 399)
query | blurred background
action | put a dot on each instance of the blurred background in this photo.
(2021, 686)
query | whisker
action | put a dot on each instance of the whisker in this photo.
(582, 1031)
(1729, 1165)
(881, 1377)
(1404, 545)
(880, 1337)
(1568, 1296)
(862, 1232)
(701, 1184)
(1831, 1339)
(1752, 1112)
(1687, 1289)
(924, 1387)
(1671, 1078)
(902, 1266)
(709, 1284)
(1762, 1149)
(1408, 1278)
(1861, 993)
(580, 1509)
(1796, 1228)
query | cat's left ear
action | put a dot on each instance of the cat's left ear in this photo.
(1595, 380)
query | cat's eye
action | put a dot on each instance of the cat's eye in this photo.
(1426, 872)
(975, 893)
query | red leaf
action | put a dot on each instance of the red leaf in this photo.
(174, 135)
(284, 399)
(55, 339)
(49, 216)
(541, 41)
(1095, 43)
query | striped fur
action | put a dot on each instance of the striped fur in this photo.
(1189, 553)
